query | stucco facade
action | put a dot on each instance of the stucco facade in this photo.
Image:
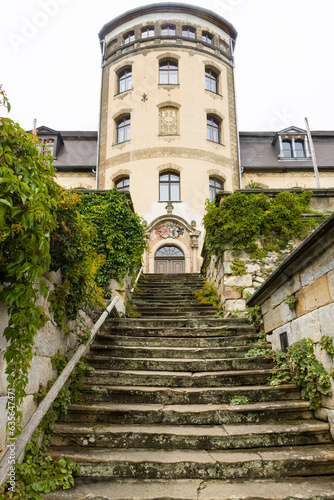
(155, 105)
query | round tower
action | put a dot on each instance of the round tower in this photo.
(168, 122)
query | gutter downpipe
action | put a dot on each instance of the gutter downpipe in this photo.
(102, 45)
(233, 42)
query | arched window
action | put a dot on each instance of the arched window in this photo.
(207, 37)
(188, 31)
(123, 184)
(215, 185)
(129, 37)
(213, 125)
(123, 129)
(147, 32)
(299, 149)
(287, 149)
(169, 186)
(124, 79)
(168, 30)
(168, 72)
(211, 80)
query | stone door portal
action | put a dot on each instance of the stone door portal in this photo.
(169, 260)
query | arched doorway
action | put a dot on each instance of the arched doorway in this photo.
(169, 259)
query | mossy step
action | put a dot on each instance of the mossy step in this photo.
(190, 395)
(171, 364)
(169, 352)
(182, 313)
(229, 323)
(178, 379)
(257, 463)
(275, 411)
(292, 488)
(188, 437)
(157, 330)
(158, 341)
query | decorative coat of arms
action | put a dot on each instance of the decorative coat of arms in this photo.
(169, 230)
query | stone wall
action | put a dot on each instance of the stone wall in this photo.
(307, 274)
(234, 290)
(49, 341)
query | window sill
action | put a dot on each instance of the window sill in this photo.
(121, 144)
(168, 85)
(217, 143)
(170, 201)
(123, 93)
(214, 94)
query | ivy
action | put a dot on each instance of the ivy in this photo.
(72, 251)
(26, 219)
(326, 343)
(291, 301)
(238, 267)
(119, 234)
(242, 221)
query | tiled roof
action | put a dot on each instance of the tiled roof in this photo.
(79, 150)
(257, 151)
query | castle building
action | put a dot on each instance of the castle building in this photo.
(168, 130)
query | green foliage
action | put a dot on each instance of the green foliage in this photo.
(326, 342)
(26, 219)
(120, 235)
(254, 185)
(241, 220)
(39, 473)
(131, 310)
(73, 252)
(255, 317)
(291, 301)
(238, 267)
(239, 400)
(300, 366)
(207, 294)
(258, 352)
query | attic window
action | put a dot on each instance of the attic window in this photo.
(292, 147)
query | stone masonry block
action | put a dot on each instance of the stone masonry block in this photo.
(324, 264)
(313, 296)
(40, 373)
(306, 276)
(3, 376)
(326, 316)
(233, 305)
(253, 268)
(266, 306)
(232, 293)
(331, 421)
(306, 326)
(273, 319)
(28, 408)
(288, 288)
(230, 255)
(242, 281)
(330, 278)
(274, 338)
(3, 402)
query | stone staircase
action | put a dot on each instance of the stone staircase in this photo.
(156, 420)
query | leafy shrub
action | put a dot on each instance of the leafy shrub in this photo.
(291, 301)
(207, 294)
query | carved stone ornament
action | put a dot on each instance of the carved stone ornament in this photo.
(169, 230)
(168, 121)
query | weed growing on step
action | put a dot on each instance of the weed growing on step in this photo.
(39, 473)
(207, 294)
(258, 352)
(131, 310)
(239, 400)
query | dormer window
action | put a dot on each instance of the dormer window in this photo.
(292, 144)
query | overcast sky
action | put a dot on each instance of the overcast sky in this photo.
(50, 60)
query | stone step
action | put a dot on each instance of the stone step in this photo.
(178, 379)
(194, 322)
(180, 464)
(159, 331)
(192, 437)
(179, 365)
(98, 349)
(292, 488)
(273, 411)
(191, 395)
(161, 315)
(126, 339)
(164, 309)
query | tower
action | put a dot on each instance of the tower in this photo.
(168, 122)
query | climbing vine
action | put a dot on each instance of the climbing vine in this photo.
(26, 219)
(119, 234)
(243, 221)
